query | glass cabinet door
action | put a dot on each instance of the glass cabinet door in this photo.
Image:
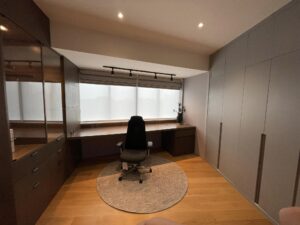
(24, 85)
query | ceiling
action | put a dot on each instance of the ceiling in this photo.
(169, 23)
(96, 62)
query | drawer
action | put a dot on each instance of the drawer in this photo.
(31, 196)
(185, 132)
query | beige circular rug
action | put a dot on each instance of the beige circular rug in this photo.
(161, 189)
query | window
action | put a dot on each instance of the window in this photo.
(111, 102)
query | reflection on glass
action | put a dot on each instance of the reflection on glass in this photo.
(24, 85)
(53, 92)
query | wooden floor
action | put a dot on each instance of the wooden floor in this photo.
(210, 200)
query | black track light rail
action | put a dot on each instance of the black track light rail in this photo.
(113, 68)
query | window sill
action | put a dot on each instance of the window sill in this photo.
(107, 123)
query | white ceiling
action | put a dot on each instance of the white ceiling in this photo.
(96, 62)
(171, 23)
(223, 20)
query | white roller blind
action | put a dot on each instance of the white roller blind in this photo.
(112, 102)
(122, 102)
(148, 102)
(94, 102)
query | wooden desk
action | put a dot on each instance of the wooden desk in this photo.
(101, 141)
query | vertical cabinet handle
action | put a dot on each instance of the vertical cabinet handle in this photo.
(296, 182)
(260, 166)
(219, 146)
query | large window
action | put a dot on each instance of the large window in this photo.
(109, 102)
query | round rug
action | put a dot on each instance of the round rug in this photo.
(161, 189)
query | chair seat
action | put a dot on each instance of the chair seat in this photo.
(133, 156)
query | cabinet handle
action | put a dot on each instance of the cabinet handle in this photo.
(260, 166)
(36, 185)
(35, 170)
(58, 139)
(34, 154)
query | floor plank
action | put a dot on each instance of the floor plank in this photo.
(210, 200)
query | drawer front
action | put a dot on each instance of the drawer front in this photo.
(31, 196)
(185, 132)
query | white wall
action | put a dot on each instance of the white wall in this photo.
(195, 102)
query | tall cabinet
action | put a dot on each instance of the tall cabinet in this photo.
(282, 134)
(257, 146)
(232, 106)
(215, 107)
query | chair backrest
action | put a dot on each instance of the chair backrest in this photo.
(136, 134)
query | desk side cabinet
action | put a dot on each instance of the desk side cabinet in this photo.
(179, 141)
(37, 178)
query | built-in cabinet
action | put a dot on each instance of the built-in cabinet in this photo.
(36, 159)
(282, 134)
(232, 107)
(215, 107)
(257, 146)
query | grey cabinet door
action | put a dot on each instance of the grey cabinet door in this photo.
(215, 105)
(233, 95)
(252, 126)
(283, 134)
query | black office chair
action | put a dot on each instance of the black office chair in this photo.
(136, 148)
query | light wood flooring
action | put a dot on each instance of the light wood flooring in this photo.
(210, 200)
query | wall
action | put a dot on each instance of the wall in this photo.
(253, 111)
(195, 102)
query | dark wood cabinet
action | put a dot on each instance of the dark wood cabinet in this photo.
(37, 178)
(180, 141)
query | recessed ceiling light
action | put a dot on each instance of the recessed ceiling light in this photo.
(3, 28)
(120, 15)
(200, 25)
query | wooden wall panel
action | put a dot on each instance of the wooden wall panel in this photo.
(7, 207)
(232, 107)
(282, 130)
(215, 107)
(252, 126)
(27, 15)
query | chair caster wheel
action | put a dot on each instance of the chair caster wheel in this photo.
(120, 178)
(141, 181)
(150, 170)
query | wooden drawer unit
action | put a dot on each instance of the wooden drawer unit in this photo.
(180, 141)
(38, 176)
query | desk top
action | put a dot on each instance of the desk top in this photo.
(116, 130)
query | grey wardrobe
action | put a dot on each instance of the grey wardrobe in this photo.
(255, 94)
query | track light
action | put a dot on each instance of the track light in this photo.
(140, 71)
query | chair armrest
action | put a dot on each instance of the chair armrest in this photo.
(150, 144)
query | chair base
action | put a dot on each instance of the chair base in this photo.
(135, 168)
